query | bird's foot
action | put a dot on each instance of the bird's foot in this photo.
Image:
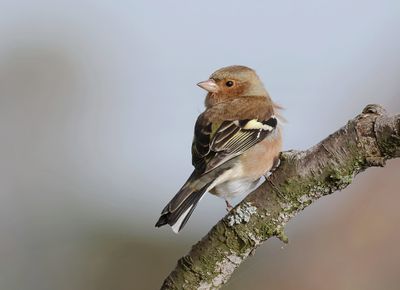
(267, 176)
(229, 207)
(276, 164)
(278, 192)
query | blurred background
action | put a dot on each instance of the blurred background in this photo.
(97, 106)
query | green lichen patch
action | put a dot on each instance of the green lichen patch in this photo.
(280, 234)
(241, 214)
(389, 144)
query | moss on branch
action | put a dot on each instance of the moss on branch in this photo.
(304, 176)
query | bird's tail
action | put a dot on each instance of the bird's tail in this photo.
(180, 208)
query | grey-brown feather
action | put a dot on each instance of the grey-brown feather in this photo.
(230, 140)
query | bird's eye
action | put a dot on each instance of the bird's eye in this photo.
(229, 83)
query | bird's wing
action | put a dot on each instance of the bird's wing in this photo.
(216, 143)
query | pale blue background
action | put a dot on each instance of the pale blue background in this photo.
(98, 101)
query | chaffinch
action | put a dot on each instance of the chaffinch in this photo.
(237, 140)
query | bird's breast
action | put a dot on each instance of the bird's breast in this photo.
(248, 168)
(260, 159)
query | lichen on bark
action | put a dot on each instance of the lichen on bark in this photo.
(303, 176)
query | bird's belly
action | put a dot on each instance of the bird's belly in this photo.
(243, 177)
(232, 188)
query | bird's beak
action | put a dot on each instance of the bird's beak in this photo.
(208, 85)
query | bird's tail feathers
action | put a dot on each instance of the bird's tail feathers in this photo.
(180, 208)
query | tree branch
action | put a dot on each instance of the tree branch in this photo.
(304, 176)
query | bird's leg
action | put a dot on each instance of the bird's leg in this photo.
(228, 206)
(267, 176)
(278, 192)
(276, 164)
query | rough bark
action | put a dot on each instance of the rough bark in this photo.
(368, 140)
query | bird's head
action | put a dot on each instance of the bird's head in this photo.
(232, 82)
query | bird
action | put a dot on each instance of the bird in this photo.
(237, 141)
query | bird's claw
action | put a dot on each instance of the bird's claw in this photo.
(229, 207)
(278, 192)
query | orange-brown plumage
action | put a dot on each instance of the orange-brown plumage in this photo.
(237, 140)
